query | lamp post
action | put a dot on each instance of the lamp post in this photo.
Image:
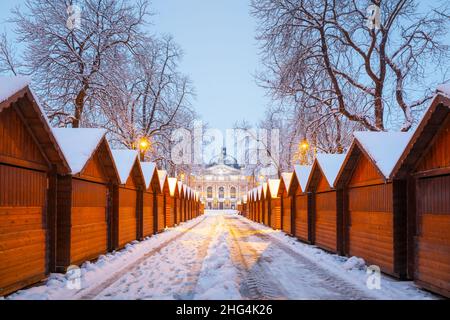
(303, 151)
(144, 146)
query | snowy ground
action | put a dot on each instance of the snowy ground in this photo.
(221, 255)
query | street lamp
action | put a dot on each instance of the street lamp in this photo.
(303, 150)
(144, 146)
(304, 145)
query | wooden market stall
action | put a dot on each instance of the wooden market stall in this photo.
(374, 213)
(287, 221)
(179, 203)
(265, 204)
(162, 209)
(84, 218)
(127, 198)
(275, 204)
(30, 160)
(425, 163)
(327, 203)
(152, 188)
(302, 203)
(172, 201)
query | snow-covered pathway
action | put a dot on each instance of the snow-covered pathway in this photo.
(221, 256)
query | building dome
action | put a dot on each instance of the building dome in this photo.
(225, 159)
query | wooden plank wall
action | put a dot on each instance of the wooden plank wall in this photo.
(432, 238)
(160, 212)
(148, 216)
(286, 220)
(89, 232)
(326, 220)
(127, 216)
(275, 213)
(371, 225)
(16, 143)
(169, 211)
(301, 217)
(22, 227)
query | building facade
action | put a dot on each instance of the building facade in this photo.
(222, 183)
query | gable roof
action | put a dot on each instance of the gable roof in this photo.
(274, 186)
(329, 165)
(259, 191)
(11, 85)
(14, 91)
(301, 173)
(162, 175)
(265, 189)
(384, 149)
(431, 123)
(180, 187)
(286, 177)
(78, 145)
(173, 189)
(124, 160)
(149, 172)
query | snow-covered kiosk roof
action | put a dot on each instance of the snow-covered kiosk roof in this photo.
(163, 184)
(429, 126)
(128, 165)
(327, 165)
(255, 194)
(79, 154)
(150, 175)
(301, 175)
(16, 95)
(274, 187)
(259, 191)
(173, 188)
(382, 149)
(286, 180)
(265, 190)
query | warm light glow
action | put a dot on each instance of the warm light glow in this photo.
(304, 145)
(144, 144)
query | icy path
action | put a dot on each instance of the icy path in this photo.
(221, 256)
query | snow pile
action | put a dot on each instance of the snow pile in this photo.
(302, 174)
(330, 165)
(354, 263)
(384, 148)
(11, 85)
(78, 145)
(218, 278)
(124, 160)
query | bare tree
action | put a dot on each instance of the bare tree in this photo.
(69, 63)
(325, 51)
(148, 97)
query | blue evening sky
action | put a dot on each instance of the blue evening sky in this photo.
(220, 54)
